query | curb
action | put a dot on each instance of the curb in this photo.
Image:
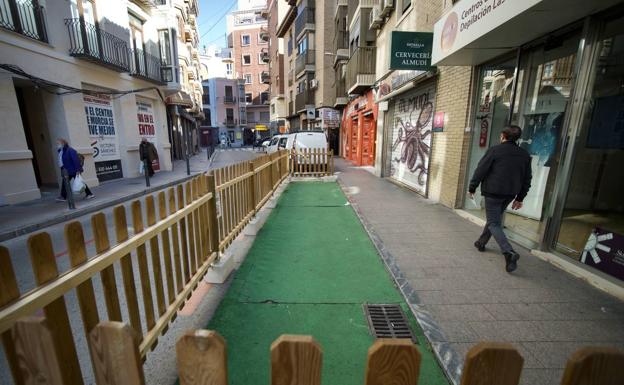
(27, 229)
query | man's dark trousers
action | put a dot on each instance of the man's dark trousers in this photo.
(494, 210)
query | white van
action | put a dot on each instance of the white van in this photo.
(307, 139)
(278, 142)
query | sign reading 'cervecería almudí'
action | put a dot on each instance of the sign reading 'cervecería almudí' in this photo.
(411, 50)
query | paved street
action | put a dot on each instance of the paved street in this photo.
(462, 296)
(196, 317)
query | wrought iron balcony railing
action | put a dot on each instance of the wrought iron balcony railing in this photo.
(230, 122)
(146, 66)
(227, 99)
(25, 17)
(91, 42)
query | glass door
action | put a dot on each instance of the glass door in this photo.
(592, 225)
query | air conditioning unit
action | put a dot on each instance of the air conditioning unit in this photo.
(376, 21)
(386, 7)
(314, 84)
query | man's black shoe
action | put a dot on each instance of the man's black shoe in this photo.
(479, 246)
(511, 258)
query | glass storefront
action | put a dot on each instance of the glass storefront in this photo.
(536, 92)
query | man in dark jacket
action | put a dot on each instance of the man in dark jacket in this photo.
(69, 161)
(147, 150)
(504, 173)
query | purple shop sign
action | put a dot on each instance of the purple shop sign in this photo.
(604, 250)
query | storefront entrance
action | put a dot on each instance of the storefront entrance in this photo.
(359, 128)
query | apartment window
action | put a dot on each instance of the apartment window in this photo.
(264, 97)
(248, 79)
(405, 4)
(245, 40)
(272, 108)
(265, 116)
(301, 86)
(246, 60)
(260, 59)
(302, 46)
(248, 98)
(207, 121)
(260, 41)
(251, 117)
(290, 46)
(181, 28)
(164, 46)
(228, 69)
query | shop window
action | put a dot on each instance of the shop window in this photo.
(592, 225)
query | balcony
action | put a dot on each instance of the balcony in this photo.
(145, 66)
(265, 77)
(228, 99)
(303, 100)
(361, 70)
(290, 77)
(264, 34)
(229, 122)
(341, 91)
(304, 21)
(305, 62)
(90, 42)
(264, 56)
(291, 111)
(341, 46)
(25, 17)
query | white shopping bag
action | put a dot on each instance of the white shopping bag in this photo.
(141, 168)
(78, 185)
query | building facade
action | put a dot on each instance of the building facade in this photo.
(277, 10)
(249, 40)
(71, 70)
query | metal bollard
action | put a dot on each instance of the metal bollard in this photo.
(146, 172)
(68, 191)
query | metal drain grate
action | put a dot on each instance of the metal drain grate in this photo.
(388, 321)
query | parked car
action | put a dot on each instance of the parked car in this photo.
(302, 144)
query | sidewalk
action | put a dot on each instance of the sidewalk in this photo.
(461, 296)
(23, 218)
(309, 271)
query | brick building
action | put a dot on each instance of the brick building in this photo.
(248, 37)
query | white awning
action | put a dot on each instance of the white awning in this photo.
(475, 31)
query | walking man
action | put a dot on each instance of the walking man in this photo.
(147, 150)
(504, 174)
(70, 162)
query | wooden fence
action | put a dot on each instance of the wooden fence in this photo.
(311, 162)
(176, 236)
(295, 360)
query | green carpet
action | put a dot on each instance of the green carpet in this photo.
(309, 271)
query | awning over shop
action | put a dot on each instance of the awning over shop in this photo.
(475, 31)
(179, 98)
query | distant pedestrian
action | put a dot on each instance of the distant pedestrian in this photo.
(504, 174)
(147, 150)
(71, 162)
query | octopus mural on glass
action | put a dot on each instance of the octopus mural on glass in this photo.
(411, 140)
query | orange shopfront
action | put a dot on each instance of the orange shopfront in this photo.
(359, 130)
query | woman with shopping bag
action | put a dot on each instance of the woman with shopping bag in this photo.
(69, 161)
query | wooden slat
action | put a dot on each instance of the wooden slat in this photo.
(183, 237)
(175, 239)
(204, 220)
(9, 292)
(117, 360)
(166, 247)
(213, 225)
(44, 267)
(150, 209)
(201, 357)
(40, 362)
(296, 360)
(191, 229)
(107, 276)
(144, 276)
(492, 363)
(393, 361)
(252, 188)
(196, 226)
(74, 239)
(594, 366)
(127, 272)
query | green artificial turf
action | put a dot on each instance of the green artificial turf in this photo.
(309, 271)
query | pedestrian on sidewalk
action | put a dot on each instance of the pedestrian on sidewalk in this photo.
(71, 162)
(504, 174)
(147, 150)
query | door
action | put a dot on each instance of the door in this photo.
(368, 141)
(354, 143)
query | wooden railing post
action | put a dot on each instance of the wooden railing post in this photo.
(393, 361)
(9, 292)
(117, 360)
(492, 363)
(212, 215)
(594, 366)
(253, 200)
(107, 276)
(40, 362)
(296, 360)
(202, 358)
